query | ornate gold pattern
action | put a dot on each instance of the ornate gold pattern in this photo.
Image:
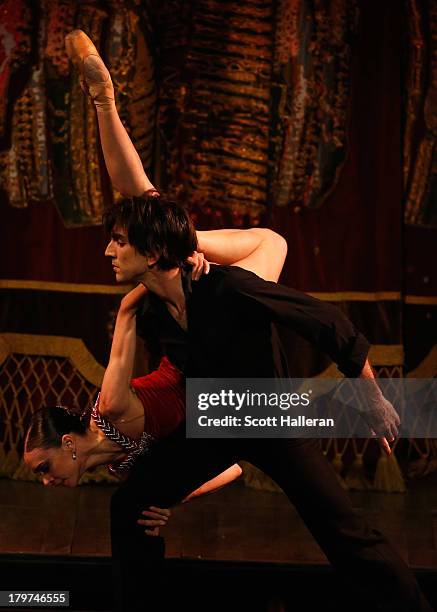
(60, 21)
(15, 44)
(214, 112)
(131, 63)
(85, 166)
(26, 171)
(37, 371)
(420, 135)
(311, 73)
(54, 346)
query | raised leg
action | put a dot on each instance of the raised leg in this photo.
(122, 161)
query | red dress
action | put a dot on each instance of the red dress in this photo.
(162, 394)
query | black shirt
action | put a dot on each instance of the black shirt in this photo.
(230, 315)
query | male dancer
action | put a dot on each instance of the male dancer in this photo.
(222, 327)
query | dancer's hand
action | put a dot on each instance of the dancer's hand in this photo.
(132, 299)
(157, 517)
(378, 412)
(383, 421)
(199, 263)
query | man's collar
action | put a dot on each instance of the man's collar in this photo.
(151, 300)
(187, 288)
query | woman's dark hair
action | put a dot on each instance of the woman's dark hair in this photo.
(49, 424)
(155, 226)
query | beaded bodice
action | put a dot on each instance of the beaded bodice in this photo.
(134, 448)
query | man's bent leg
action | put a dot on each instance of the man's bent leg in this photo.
(363, 555)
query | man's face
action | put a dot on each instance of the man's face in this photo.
(127, 263)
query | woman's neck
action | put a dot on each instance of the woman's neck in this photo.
(97, 449)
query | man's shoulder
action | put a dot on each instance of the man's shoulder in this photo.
(232, 274)
(226, 279)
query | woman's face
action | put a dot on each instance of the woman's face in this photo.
(56, 465)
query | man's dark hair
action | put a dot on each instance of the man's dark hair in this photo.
(155, 226)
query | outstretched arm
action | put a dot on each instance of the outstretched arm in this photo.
(216, 483)
(326, 328)
(153, 518)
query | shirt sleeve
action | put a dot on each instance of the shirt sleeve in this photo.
(322, 324)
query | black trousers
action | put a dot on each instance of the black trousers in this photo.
(178, 466)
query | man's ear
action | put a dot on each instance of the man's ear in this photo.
(152, 260)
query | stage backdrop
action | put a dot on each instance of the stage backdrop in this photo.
(317, 119)
(290, 114)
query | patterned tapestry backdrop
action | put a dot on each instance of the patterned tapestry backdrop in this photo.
(284, 112)
(420, 140)
(51, 148)
(231, 104)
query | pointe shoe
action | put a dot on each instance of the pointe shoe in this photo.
(93, 75)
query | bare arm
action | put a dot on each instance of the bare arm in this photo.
(116, 397)
(153, 518)
(216, 483)
(258, 250)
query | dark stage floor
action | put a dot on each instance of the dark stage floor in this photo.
(241, 541)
